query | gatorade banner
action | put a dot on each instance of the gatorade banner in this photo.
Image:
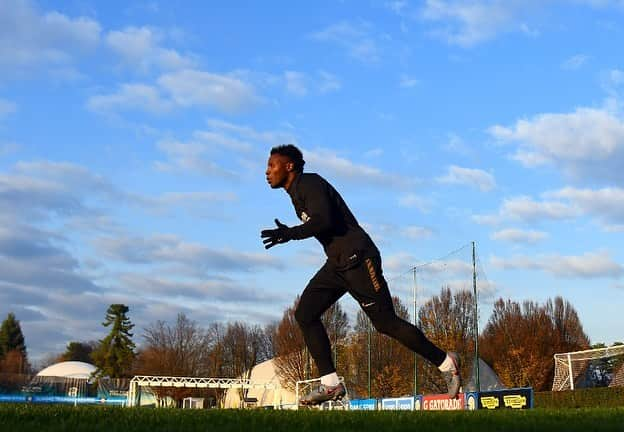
(443, 402)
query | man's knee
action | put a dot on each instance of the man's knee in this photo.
(385, 322)
(302, 317)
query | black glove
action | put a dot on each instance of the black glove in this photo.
(274, 236)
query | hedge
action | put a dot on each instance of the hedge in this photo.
(581, 398)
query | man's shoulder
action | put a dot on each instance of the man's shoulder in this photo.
(311, 179)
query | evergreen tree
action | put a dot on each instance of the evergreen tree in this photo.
(11, 336)
(115, 353)
(13, 357)
(78, 351)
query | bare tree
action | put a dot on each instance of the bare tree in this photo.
(242, 348)
(388, 359)
(292, 357)
(336, 324)
(174, 350)
(448, 321)
(519, 341)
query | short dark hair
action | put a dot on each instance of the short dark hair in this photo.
(291, 152)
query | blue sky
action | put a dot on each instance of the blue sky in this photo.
(134, 138)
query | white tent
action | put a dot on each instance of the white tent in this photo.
(69, 369)
(277, 397)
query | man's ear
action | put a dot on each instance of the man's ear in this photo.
(290, 166)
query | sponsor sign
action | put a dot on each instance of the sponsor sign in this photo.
(404, 403)
(418, 401)
(443, 402)
(363, 404)
(472, 401)
(518, 398)
(44, 399)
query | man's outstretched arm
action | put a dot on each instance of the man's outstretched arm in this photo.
(271, 237)
(319, 216)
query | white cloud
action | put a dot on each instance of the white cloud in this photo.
(575, 62)
(295, 83)
(218, 290)
(397, 6)
(189, 157)
(616, 76)
(588, 142)
(514, 235)
(612, 82)
(8, 148)
(209, 151)
(408, 81)
(606, 204)
(356, 38)
(140, 48)
(166, 249)
(218, 139)
(469, 23)
(468, 176)
(131, 96)
(328, 82)
(415, 201)
(6, 107)
(225, 93)
(456, 145)
(29, 37)
(374, 153)
(587, 266)
(431, 276)
(525, 209)
(398, 263)
(602, 3)
(340, 167)
(48, 210)
(184, 88)
(245, 132)
(200, 204)
(416, 232)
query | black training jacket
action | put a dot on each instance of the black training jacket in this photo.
(326, 217)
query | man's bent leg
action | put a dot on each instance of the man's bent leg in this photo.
(387, 322)
(323, 290)
(369, 287)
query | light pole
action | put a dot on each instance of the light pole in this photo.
(415, 355)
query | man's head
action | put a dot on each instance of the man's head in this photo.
(285, 162)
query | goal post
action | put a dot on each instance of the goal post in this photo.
(599, 367)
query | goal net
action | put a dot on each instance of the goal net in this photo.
(600, 367)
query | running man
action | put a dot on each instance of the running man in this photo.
(353, 265)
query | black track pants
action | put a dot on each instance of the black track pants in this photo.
(365, 282)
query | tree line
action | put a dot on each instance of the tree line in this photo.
(518, 342)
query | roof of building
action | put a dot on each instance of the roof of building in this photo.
(69, 369)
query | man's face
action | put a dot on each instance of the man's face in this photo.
(278, 169)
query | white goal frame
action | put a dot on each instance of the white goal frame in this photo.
(192, 382)
(564, 370)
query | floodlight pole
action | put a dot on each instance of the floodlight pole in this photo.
(369, 358)
(415, 355)
(476, 315)
(335, 319)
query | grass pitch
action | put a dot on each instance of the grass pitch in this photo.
(38, 418)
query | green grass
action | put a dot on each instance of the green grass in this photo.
(38, 418)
